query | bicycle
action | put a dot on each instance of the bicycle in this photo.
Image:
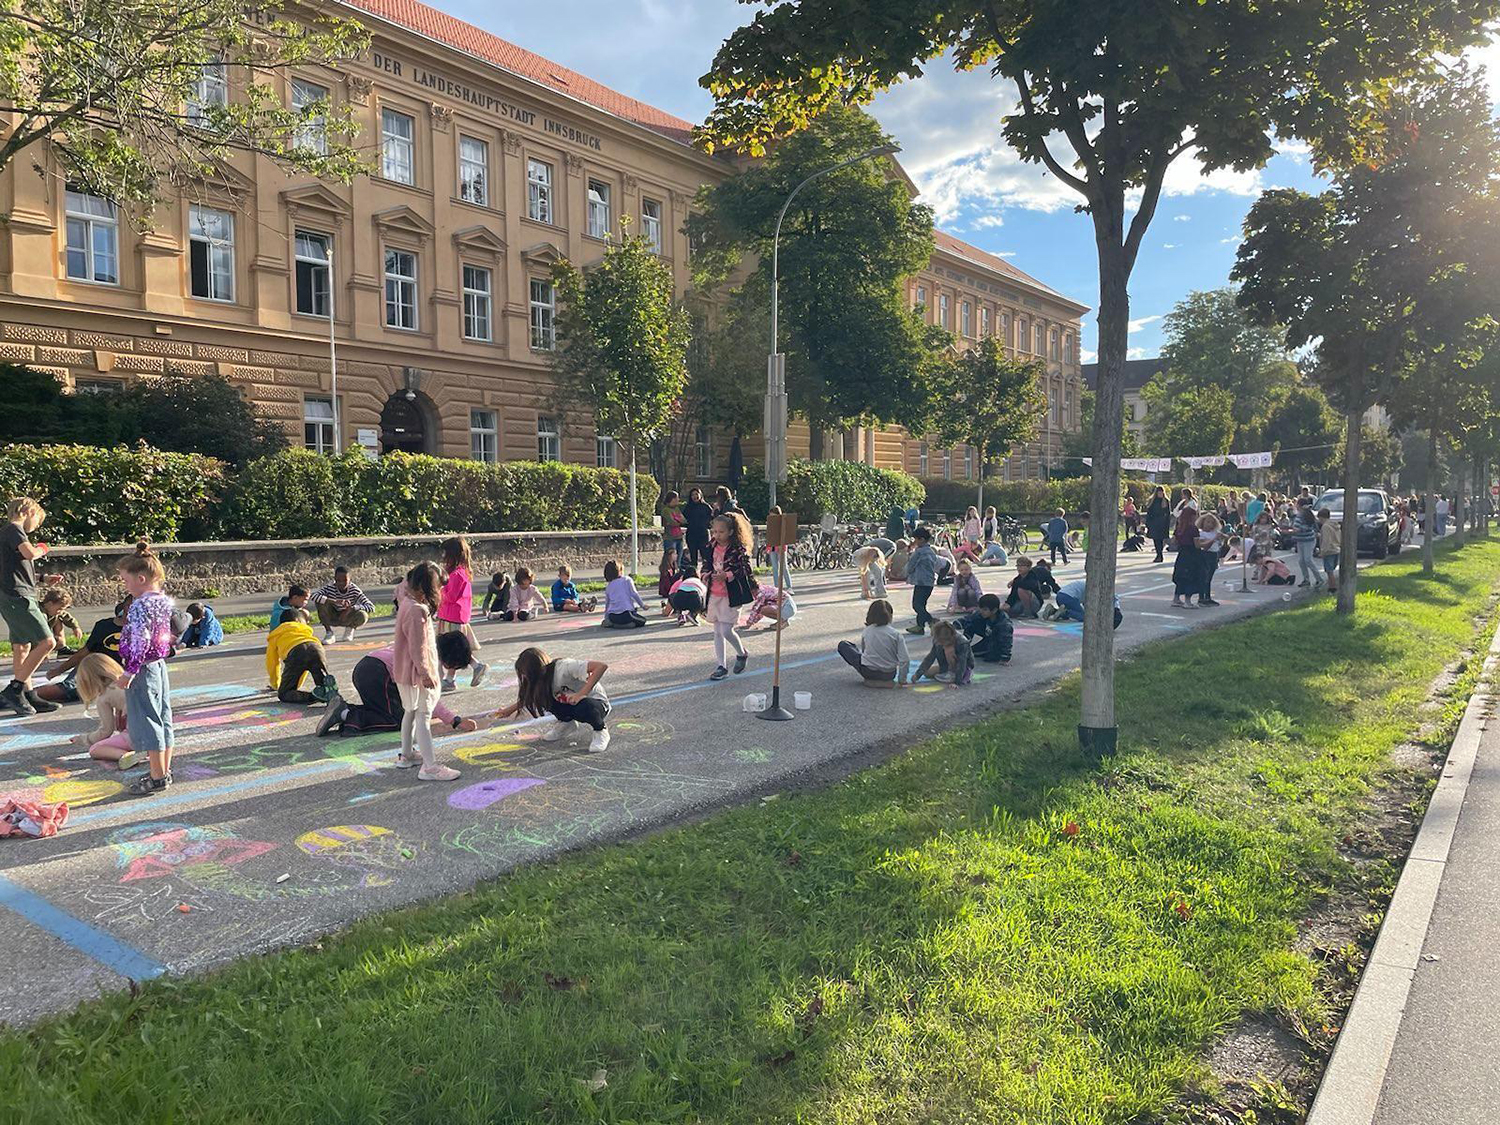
(1013, 537)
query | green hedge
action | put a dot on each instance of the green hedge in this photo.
(851, 490)
(95, 495)
(115, 495)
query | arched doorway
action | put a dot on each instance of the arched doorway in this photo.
(405, 424)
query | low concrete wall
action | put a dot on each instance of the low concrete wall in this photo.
(224, 569)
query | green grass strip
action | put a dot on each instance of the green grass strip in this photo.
(985, 929)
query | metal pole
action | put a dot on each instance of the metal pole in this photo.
(333, 360)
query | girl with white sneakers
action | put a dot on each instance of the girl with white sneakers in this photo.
(568, 690)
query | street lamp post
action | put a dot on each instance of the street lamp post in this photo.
(775, 412)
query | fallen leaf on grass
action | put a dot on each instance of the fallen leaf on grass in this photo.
(1070, 829)
(1184, 911)
(813, 1011)
(510, 992)
(595, 1082)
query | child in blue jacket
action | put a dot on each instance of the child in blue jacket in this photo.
(203, 628)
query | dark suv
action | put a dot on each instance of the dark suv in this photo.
(1379, 530)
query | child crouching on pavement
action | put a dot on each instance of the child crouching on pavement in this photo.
(989, 630)
(55, 604)
(568, 690)
(98, 686)
(952, 654)
(204, 627)
(765, 606)
(293, 652)
(880, 658)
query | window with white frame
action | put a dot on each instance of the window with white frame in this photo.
(211, 90)
(1054, 405)
(317, 423)
(310, 100)
(473, 171)
(922, 459)
(705, 450)
(398, 133)
(401, 290)
(968, 462)
(98, 386)
(539, 191)
(311, 254)
(548, 439)
(1067, 406)
(1068, 355)
(943, 311)
(1052, 344)
(947, 464)
(606, 452)
(1005, 329)
(477, 290)
(651, 223)
(1039, 345)
(922, 300)
(1023, 335)
(484, 436)
(543, 315)
(966, 314)
(93, 251)
(598, 209)
(984, 321)
(211, 253)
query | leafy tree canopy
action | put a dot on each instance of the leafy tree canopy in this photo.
(1302, 428)
(1211, 342)
(124, 96)
(1200, 422)
(987, 399)
(1078, 445)
(848, 242)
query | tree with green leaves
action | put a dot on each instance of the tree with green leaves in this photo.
(1190, 422)
(622, 340)
(1079, 444)
(1301, 428)
(984, 398)
(1128, 88)
(137, 101)
(1379, 455)
(848, 243)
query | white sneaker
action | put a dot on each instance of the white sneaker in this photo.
(559, 731)
(599, 742)
(437, 773)
(944, 677)
(328, 636)
(347, 637)
(481, 669)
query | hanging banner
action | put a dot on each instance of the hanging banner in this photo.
(1252, 460)
(1140, 464)
(1203, 462)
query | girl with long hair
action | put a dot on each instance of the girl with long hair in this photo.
(414, 667)
(567, 689)
(731, 584)
(457, 604)
(1187, 570)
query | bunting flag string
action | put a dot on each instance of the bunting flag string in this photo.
(1263, 460)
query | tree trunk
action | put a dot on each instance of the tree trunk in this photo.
(814, 441)
(980, 503)
(1349, 540)
(1476, 482)
(1458, 502)
(1429, 503)
(635, 522)
(1097, 732)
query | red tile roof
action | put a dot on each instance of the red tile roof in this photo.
(428, 21)
(986, 260)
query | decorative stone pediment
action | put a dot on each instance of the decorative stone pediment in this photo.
(480, 240)
(404, 221)
(314, 197)
(542, 254)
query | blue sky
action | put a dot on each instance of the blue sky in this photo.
(948, 126)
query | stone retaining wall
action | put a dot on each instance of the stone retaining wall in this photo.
(215, 570)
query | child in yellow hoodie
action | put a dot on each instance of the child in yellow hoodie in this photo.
(292, 652)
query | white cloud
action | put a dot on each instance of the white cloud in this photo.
(1135, 353)
(1087, 356)
(987, 222)
(1169, 246)
(1232, 240)
(1182, 218)
(1138, 325)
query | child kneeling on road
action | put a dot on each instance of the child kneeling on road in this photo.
(951, 653)
(293, 651)
(568, 690)
(98, 686)
(988, 628)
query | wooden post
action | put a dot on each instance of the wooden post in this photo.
(781, 530)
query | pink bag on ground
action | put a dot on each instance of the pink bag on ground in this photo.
(30, 818)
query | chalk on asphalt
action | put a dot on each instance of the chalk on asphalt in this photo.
(283, 877)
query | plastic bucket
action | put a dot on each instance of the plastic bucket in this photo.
(802, 700)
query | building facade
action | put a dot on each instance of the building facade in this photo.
(431, 275)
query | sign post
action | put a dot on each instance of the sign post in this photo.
(781, 529)
(773, 425)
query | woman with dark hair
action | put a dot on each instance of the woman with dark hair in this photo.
(1187, 570)
(1158, 519)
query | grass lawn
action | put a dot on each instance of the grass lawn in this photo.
(985, 929)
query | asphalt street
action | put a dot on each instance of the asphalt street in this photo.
(272, 836)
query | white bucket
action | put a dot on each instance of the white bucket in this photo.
(802, 700)
(755, 702)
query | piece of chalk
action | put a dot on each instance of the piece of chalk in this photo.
(283, 877)
(183, 908)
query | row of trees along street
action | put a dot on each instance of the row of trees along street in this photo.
(1381, 277)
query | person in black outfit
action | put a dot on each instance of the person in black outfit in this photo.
(698, 516)
(989, 630)
(1159, 520)
(1030, 587)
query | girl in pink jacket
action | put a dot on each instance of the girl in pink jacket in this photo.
(414, 667)
(457, 604)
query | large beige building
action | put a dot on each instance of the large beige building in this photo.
(490, 164)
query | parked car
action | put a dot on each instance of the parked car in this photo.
(1379, 530)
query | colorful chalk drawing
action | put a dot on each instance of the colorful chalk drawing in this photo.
(643, 732)
(755, 754)
(368, 850)
(485, 793)
(79, 793)
(204, 856)
(489, 754)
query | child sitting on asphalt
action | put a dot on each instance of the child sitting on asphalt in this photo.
(204, 627)
(895, 570)
(293, 652)
(952, 654)
(63, 624)
(496, 597)
(565, 596)
(623, 608)
(966, 589)
(98, 686)
(688, 598)
(880, 658)
(525, 600)
(988, 628)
